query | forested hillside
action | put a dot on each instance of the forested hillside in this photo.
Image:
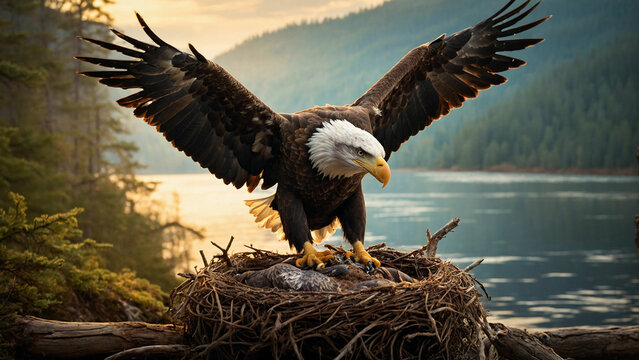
(583, 114)
(336, 60)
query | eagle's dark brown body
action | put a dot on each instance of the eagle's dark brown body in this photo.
(317, 200)
(204, 112)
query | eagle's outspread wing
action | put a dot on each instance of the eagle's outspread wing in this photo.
(440, 75)
(198, 106)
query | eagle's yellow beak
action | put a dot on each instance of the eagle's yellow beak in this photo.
(379, 169)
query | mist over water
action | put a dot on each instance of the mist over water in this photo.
(559, 249)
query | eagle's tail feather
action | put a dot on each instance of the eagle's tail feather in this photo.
(265, 216)
(326, 231)
(269, 219)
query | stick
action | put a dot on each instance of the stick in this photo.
(475, 264)
(348, 346)
(225, 252)
(206, 263)
(262, 251)
(431, 244)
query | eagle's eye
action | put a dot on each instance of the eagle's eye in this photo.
(360, 153)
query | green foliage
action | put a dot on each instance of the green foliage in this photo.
(27, 166)
(48, 269)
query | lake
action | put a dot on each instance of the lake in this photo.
(559, 249)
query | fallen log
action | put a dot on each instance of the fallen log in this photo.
(513, 343)
(616, 342)
(67, 340)
(61, 339)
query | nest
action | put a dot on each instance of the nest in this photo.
(438, 316)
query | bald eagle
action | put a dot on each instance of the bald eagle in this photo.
(317, 157)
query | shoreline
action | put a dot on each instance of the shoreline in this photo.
(631, 171)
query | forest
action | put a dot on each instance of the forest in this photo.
(583, 119)
(78, 239)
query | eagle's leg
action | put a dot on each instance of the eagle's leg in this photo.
(352, 216)
(297, 231)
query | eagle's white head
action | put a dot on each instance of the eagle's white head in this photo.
(340, 149)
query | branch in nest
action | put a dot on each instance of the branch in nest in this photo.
(206, 263)
(225, 252)
(376, 246)
(475, 264)
(261, 251)
(187, 276)
(431, 246)
(431, 241)
(336, 249)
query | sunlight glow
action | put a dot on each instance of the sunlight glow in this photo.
(215, 27)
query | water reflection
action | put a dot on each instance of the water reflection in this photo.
(559, 249)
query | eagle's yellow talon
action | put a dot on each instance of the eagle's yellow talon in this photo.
(313, 257)
(362, 256)
(325, 255)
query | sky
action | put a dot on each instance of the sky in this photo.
(215, 26)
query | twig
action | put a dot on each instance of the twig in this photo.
(337, 249)
(225, 252)
(473, 265)
(187, 276)
(376, 246)
(431, 244)
(482, 288)
(206, 263)
(348, 346)
(261, 251)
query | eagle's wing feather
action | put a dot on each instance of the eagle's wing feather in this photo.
(198, 106)
(440, 75)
